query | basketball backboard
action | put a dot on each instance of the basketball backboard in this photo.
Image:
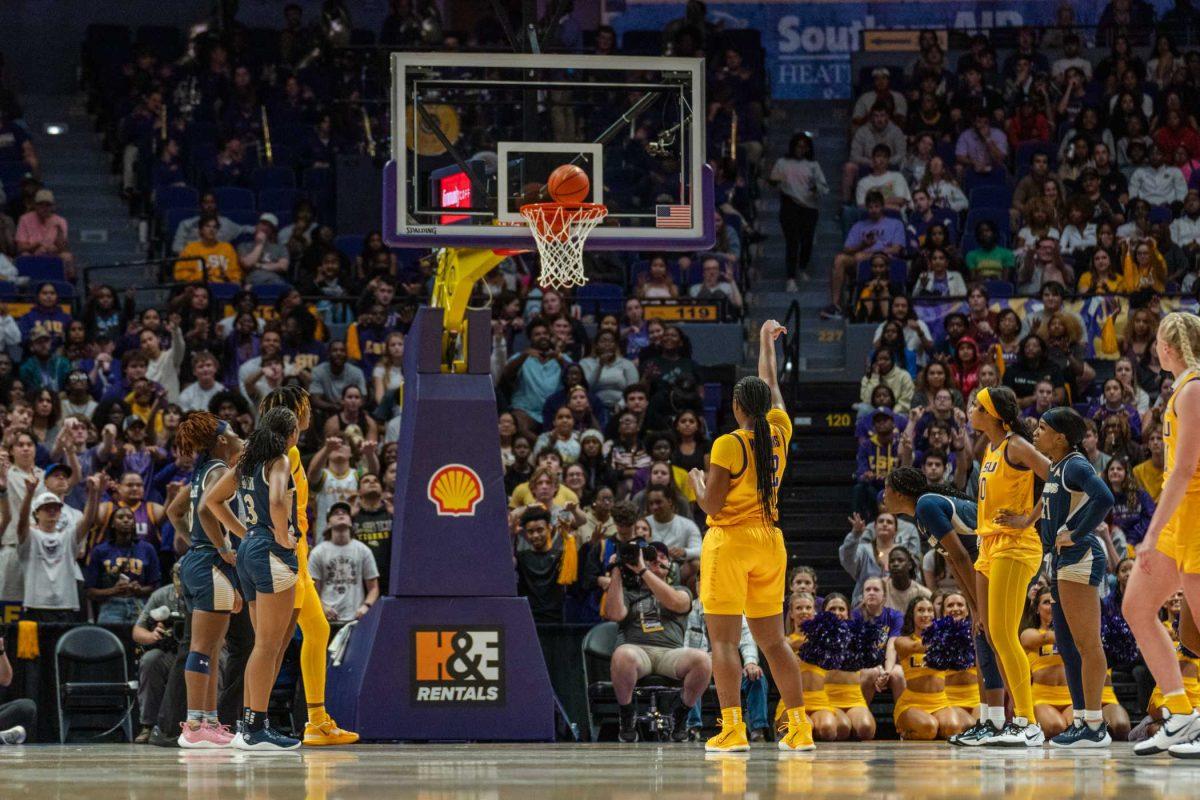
(476, 135)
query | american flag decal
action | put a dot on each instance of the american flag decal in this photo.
(672, 216)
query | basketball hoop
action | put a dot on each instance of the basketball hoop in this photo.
(561, 230)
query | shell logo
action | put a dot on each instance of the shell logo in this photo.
(455, 490)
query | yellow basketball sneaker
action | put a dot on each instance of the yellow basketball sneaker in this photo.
(326, 734)
(798, 738)
(731, 739)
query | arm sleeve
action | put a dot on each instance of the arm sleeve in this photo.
(1080, 477)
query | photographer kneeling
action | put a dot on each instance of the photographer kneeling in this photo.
(158, 629)
(652, 615)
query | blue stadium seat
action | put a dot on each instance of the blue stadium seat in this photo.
(177, 197)
(967, 244)
(224, 292)
(233, 198)
(172, 217)
(242, 216)
(273, 178)
(974, 179)
(65, 289)
(278, 201)
(41, 268)
(600, 298)
(1160, 215)
(991, 196)
(350, 245)
(995, 288)
(269, 293)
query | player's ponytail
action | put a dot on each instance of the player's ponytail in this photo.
(1182, 331)
(269, 440)
(754, 396)
(197, 433)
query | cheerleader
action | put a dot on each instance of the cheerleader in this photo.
(948, 522)
(1009, 553)
(266, 563)
(1075, 502)
(207, 573)
(1170, 552)
(842, 685)
(828, 723)
(962, 685)
(923, 712)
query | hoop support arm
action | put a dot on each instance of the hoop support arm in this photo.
(458, 270)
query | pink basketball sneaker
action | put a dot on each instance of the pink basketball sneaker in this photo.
(206, 737)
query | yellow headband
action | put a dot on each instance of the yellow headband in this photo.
(984, 398)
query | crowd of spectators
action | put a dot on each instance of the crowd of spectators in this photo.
(601, 414)
(992, 194)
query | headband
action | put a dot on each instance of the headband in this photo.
(984, 398)
(222, 427)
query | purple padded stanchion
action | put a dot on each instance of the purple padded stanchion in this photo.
(453, 653)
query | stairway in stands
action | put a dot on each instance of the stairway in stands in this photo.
(814, 501)
(77, 170)
(815, 496)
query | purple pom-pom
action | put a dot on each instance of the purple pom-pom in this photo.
(1120, 647)
(825, 641)
(949, 644)
(866, 648)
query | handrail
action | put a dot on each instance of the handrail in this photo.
(789, 370)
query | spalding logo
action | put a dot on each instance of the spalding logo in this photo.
(455, 490)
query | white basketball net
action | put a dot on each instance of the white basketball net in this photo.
(560, 230)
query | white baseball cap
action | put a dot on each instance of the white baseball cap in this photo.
(46, 499)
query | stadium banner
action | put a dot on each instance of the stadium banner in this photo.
(808, 43)
(1103, 316)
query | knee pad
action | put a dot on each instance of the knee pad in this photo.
(196, 662)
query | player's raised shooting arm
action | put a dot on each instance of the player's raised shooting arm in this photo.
(771, 330)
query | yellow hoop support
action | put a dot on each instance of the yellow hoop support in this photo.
(458, 270)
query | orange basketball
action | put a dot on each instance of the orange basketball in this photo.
(568, 184)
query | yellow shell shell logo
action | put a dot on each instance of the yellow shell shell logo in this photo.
(455, 490)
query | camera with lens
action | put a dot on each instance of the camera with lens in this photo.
(173, 625)
(627, 559)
